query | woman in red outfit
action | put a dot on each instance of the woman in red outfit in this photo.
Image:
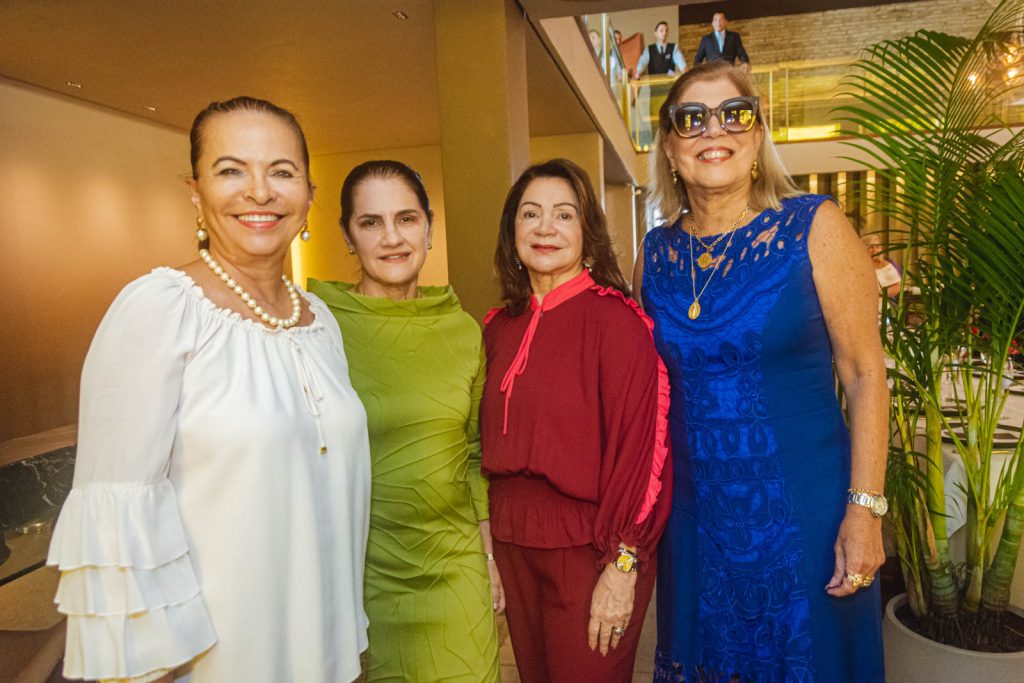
(573, 423)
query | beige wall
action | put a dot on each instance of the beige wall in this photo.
(325, 256)
(91, 200)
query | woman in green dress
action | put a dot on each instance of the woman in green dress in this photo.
(414, 355)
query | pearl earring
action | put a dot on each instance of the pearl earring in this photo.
(519, 264)
(675, 176)
(200, 231)
(305, 234)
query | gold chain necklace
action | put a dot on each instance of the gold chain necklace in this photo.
(704, 260)
(694, 310)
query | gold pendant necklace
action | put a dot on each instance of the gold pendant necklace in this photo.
(705, 260)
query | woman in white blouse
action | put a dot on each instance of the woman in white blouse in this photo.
(217, 524)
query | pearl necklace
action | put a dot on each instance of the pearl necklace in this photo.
(269, 320)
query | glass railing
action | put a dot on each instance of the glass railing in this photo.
(798, 99)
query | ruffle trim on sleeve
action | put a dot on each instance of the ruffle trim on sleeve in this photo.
(661, 419)
(127, 582)
(491, 313)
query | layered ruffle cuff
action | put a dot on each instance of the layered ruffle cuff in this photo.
(127, 583)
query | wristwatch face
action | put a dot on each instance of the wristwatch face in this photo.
(625, 562)
(879, 506)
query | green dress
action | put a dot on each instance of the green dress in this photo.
(417, 366)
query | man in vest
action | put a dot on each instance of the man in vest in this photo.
(722, 44)
(661, 57)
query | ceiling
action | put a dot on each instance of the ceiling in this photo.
(357, 76)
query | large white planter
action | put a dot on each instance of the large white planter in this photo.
(910, 658)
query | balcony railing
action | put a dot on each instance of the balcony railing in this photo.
(798, 99)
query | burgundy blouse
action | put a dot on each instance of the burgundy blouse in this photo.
(574, 423)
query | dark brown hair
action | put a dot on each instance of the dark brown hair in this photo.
(598, 253)
(243, 103)
(381, 168)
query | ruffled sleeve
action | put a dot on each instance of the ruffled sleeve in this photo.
(127, 582)
(636, 472)
(477, 480)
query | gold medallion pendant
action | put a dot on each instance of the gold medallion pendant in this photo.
(694, 310)
(704, 260)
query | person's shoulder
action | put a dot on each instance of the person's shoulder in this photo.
(612, 307)
(158, 288)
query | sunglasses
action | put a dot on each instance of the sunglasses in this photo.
(735, 115)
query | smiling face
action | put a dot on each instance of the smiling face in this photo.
(390, 232)
(719, 22)
(549, 234)
(715, 159)
(252, 188)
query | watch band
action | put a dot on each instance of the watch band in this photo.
(875, 502)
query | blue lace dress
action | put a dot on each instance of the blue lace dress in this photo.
(762, 464)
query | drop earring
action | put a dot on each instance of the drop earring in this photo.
(305, 235)
(754, 173)
(519, 264)
(201, 234)
(675, 176)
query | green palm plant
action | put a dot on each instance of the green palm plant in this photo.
(925, 111)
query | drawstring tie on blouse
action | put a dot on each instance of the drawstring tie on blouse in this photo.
(311, 393)
(559, 295)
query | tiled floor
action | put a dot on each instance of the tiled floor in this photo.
(642, 672)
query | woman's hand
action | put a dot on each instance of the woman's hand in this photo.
(610, 607)
(858, 550)
(497, 590)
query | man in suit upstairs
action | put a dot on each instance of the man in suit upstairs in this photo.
(660, 57)
(722, 44)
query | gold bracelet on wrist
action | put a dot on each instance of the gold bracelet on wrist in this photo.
(867, 491)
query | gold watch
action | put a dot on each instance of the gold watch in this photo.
(627, 561)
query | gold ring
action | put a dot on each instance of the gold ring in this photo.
(859, 580)
(618, 631)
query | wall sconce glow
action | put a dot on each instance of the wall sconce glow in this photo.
(399, 14)
(73, 84)
(148, 107)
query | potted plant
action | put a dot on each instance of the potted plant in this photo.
(926, 111)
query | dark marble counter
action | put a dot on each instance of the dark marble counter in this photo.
(31, 494)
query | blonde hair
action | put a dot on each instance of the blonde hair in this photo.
(773, 183)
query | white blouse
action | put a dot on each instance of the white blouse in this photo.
(205, 526)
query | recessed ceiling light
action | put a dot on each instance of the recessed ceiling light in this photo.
(148, 107)
(73, 84)
(399, 14)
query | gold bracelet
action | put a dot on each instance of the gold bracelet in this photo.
(490, 557)
(867, 491)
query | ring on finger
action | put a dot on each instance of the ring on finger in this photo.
(618, 631)
(859, 580)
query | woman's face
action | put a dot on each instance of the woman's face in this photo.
(253, 188)
(549, 235)
(874, 245)
(715, 159)
(389, 231)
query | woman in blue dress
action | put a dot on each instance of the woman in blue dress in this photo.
(757, 290)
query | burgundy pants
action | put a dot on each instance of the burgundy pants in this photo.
(547, 594)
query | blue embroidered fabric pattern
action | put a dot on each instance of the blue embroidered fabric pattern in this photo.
(748, 546)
